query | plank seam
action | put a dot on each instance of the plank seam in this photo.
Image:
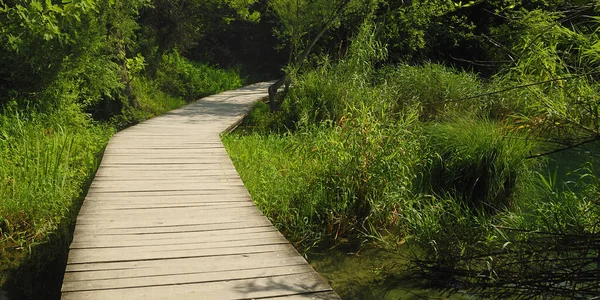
(162, 258)
(192, 273)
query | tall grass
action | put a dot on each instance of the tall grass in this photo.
(433, 158)
(341, 168)
(49, 151)
(45, 162)
(478, 162)
(328, 182)
(47, 158)
(386, 156)
(439, 90)
(151, 101)
(359, 156)
(181, 77)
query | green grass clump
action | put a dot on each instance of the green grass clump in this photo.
(330, 181)
(385, 156)
(181, 77)
(360, 153)
(150, 101)
(440, 91)
(47, 159)
(437, 159)
(455, 186)
(478, 162)
(282, 175)
(345, 160)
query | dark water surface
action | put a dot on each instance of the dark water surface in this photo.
(373, 273)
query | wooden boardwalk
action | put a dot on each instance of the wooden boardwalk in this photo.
(167, 217)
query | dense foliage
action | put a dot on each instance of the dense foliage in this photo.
(488, 177)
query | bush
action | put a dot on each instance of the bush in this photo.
(478, 163)
(329, 178)
(262, 120)
(331, 90)
(151, 102)
(48, 157)
(182, 78)
(439, 90)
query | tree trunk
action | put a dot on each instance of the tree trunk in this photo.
(298, 62)
(131, 99)
(273, 92)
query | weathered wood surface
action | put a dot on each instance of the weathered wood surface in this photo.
(167, 217)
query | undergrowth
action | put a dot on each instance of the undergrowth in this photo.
(428, 157)
(50, 147)
(190, 80)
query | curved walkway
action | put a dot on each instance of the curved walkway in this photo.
(168, 217)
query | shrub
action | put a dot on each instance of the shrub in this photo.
(182, 78)
(477, 162)
(439, 90)
(48, 158)
(330, 180)
(151, 102)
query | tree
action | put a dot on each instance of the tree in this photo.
(181, 24)
(34, 40)
(302, 24)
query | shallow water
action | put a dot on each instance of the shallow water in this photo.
(373, 273)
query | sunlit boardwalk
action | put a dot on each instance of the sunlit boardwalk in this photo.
(168, 217)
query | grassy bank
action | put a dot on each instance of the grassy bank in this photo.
(432, 158)
(372, 167)
(50, 151)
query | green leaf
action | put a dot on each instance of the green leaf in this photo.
(38, 6)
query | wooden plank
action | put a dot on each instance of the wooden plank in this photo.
(166, 185)
(173, 227)
(149, 191)
(171, 196)
(183, 175)
(216, 176)
(80, 256)
(163, 167)
(175, 159)
(184, 264)
(126, 160)
(173, 268)
(121, 231)
(216, 149)
(287, 285)
(158, 238)
(167, 218)
(190, 243)
(158, 209)
(180, 239)
(165, 212)
(149, 202)
(167, 225)
(187, 278)
(107, 205)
